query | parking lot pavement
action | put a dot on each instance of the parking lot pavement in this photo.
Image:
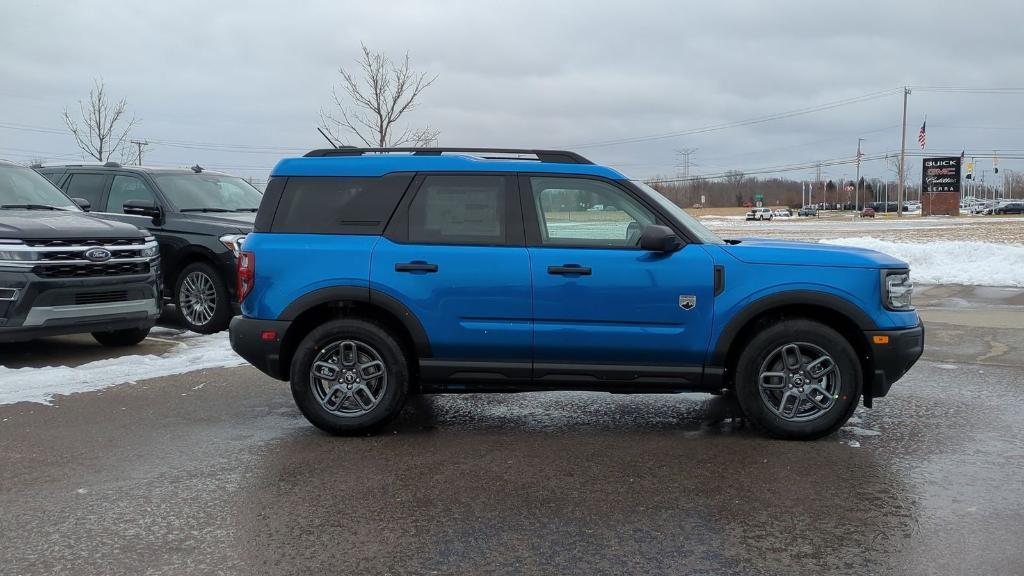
(216, 472)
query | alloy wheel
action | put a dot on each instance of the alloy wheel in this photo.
(799, 382)
(348, 378)
(198, 298)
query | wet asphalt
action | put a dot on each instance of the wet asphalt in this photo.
(215, 472)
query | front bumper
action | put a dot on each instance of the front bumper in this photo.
(55, 306)
(247, 340)
(893, 353)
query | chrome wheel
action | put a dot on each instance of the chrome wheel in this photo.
(799, 382)
(197, 298)
(348, 378)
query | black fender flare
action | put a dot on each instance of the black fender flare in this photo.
(780, 299)
(362, 295)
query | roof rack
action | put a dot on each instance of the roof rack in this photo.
(547, 156)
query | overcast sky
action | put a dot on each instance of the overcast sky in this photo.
(527, 74)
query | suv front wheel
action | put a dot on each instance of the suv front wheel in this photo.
(798, 379)
(202, 299)
(349, 376)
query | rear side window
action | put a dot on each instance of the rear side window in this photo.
(338, 204)
(459, 209)
(52, 175)
(88, 186)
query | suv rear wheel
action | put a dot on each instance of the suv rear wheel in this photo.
(798, 379)
(349, 376)
(202, 299)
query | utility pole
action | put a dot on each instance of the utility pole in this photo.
(817, 179)
(903, 156)
(139, 144)
(683, 167)
(856, 198)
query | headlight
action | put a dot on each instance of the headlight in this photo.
(233, 242)
(898, 290)
(15, 254)
(150, 251)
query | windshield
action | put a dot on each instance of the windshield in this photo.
(24, 187)
(692, 224)
(209, 192)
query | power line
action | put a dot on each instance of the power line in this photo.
(747, 122)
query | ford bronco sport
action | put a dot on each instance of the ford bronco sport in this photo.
(373, 274)
(65, 272)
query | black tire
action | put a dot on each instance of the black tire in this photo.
(129, 337)
(377, 338)
(221, 305)
(811, 335)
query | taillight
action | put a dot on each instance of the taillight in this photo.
(246, 274)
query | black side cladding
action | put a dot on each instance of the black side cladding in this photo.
(335, 204)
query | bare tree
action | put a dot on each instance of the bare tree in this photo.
(103, 128)
(369, 103)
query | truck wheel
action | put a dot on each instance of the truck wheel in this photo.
(349, 376)
(202, 299)
(129, 337)
(798, 379)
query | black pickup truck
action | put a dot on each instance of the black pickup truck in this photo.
(63, 271)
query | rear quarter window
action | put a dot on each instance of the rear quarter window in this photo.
(337, 204)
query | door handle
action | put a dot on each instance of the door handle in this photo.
(569, 270)
(416, 267)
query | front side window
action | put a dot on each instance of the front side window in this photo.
(459, 209)
(588, 213)
(24, 187)
(125, 188)
(87, 186)
(208, 192)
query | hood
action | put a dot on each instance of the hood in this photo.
(792, 253)
(51, 224)
(244, 221)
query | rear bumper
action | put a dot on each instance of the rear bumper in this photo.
(247, 341)
(893, 359)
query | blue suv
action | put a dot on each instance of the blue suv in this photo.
(373, 274)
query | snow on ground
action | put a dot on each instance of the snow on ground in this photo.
(193, 352)
(952, 262)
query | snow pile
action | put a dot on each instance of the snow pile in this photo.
(42, 384)
(952, 262)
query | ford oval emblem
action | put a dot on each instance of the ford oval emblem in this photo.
(97, 255)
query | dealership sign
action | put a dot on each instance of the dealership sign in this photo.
(941, 174)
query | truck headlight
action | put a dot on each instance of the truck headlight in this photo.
(150, 251)
(897, 290)
(233, 242)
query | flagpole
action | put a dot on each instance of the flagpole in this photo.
(903, 156)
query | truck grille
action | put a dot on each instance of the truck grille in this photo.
(77, 255)
(101, 297)
(84, 242)
(90, 270)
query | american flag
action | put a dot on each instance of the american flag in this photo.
(921, 138)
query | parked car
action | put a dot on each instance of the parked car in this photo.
(868, 212)
(912, 207)
(807, 211)
(199, 217)
(782, 213)
(760, 214)
(450, 270)
(1009, 208)
(65, 272)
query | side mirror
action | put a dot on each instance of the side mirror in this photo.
(82, 203)
(146, 208)
(655, 238)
